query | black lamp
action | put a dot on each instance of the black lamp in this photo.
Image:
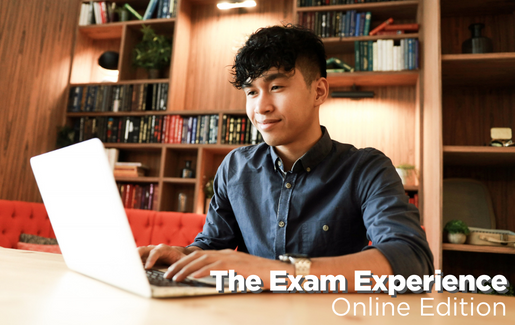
(353, 93)
(109, 60)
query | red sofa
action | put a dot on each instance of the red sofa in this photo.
(148, 227)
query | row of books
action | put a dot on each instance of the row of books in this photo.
(201, 129)
(350, 24)
(139, 196)
(100, 12)
(336, 23)
(118, 98)
(384, 55)
(239, 130)
(103, 12)
(314, 3)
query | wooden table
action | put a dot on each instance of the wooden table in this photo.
(37, 288)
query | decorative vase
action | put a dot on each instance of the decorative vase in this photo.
(477, 43)
(154, 73)
(457, 238)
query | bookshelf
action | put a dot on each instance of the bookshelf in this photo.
(477, 95)
(204, 45)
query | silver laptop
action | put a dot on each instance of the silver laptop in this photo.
(82, 201)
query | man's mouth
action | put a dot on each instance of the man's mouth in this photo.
(268, 123)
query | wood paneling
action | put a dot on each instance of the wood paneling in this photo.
(385, 122)
(470, 112)
(36, 38)
(500, 28)
(458, 263)
(478, 69)
(218, 36)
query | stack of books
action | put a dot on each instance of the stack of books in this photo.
(129, 169)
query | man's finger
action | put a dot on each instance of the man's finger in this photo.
(192, 263)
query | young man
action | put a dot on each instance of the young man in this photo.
(299, 192)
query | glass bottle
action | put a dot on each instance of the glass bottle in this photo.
(477, 43)
(182, 202)
(187, 172)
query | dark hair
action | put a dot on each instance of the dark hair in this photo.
(283, 47)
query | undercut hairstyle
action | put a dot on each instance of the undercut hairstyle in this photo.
(284, 47)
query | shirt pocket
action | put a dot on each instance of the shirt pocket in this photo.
(333, 235)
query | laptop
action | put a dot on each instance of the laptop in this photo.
(86, 212)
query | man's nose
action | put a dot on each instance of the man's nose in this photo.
(264, 104)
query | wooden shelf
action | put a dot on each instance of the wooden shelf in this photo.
(478, 249)
(475, 7)
(373, 78)
(178, 180)
(124, 82)
(411, 188)
(478, 156)
(114, 30)
(346, 44)
(137, 179)
(146, 113)
(492, 69)
(379, 10)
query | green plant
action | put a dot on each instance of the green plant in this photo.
(456, 227)
(65, 136)
(154, 51)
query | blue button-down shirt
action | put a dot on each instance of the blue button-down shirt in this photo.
(334, 200)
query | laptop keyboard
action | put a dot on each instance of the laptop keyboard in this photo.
(156, 278)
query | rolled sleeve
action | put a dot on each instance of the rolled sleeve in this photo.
(393, 224)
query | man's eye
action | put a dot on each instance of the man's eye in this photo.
(251, 93)
(275, 87)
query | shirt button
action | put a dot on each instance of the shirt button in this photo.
(281, 224)
(325, 227)
(308, 169)
(288, 185)
(279, 163)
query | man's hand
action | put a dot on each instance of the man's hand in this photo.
(163, 254)
(199, 264)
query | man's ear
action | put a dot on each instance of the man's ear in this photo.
(321, 90)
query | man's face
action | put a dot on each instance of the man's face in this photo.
(282, 107)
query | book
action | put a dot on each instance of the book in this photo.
(381, 26)
(150, 9)
(402, 27)
(366, 27)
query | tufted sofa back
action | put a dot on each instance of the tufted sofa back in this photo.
(148, 227)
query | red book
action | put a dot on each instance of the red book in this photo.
(404, 27)
(381, 27)
(178, 129)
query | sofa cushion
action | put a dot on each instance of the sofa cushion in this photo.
(18, 217)
(176, 229)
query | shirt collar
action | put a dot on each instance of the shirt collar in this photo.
(311, 158)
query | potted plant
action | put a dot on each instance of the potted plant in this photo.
(457, 231)
(407, 174)
(153, 52)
